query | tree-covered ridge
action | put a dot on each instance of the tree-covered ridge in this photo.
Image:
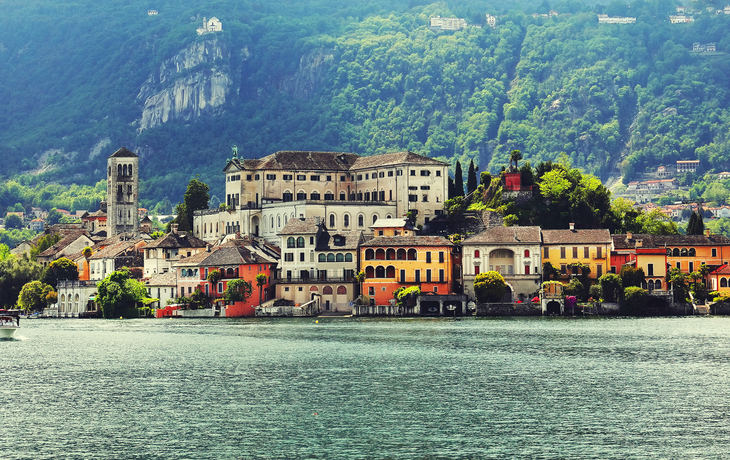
(366, 77)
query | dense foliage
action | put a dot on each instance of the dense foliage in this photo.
(119, 294)
(360, 76)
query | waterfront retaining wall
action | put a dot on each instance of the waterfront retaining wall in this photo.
(509, 309)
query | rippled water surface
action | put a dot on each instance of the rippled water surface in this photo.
(361, 389)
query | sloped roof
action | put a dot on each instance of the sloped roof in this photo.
(300, 225)
(507, 235)
(194, 260)
(350, 241)
(583, 236)
(64, 242)
(235, 255)
(123, 152)
(177, 240)
(300, 160)
(723, 269)
(396, 241)
(163, 279)
(396, 222)
(659, 241)
(389, 159)
(113, 250)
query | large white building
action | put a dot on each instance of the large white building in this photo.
(346, 191)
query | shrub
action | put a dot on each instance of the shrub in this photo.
(489, 287)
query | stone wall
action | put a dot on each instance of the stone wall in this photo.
(509, 309)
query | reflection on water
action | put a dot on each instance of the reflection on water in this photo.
(366, 388)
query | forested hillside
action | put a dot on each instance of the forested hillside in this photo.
(80, 79)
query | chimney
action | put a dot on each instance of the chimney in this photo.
(102, 206)
(707, 232)
(173, 228)
(572, 226)
(639, 243)
(629, 235)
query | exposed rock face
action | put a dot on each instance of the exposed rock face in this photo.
(196, 81)
(310, 73)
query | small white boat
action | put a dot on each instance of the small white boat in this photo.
(8, 325)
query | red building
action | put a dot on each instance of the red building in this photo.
(238, 259)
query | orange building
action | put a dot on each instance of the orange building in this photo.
(719, 279)
(392, 262)
(640, 252)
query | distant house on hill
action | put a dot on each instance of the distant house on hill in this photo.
(687, 166)
(151, 12)
(448, 23)
(606, 19)
(209, 26)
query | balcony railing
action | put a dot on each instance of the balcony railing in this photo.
(314, 279)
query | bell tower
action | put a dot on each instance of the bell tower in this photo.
(122, 192)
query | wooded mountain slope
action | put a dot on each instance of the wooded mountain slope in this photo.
(360, 76)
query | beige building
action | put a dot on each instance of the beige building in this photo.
(346, 191)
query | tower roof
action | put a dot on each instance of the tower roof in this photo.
(123, 152)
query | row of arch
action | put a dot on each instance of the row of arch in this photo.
(327, 290)
(189, 272)
(122, 170)
(276, 223)
(509, 253)
(73, 301)
(335, 257)
(652, 285)
(684, 252)
(391, 254)
(329, 195)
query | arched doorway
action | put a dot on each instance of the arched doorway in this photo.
(553, 308)
(255, 225)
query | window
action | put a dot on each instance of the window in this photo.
(348, 257)
(428, 257)
(375, 218)
(562, 253)
(340, 257)
(438, 173)
(257, 177)
(360, 220)
(390, 173)
(301, 177)
(381, 174)
(346, 220)
(300, 242)
(301, 257)
(413, 172)
(342, 178)
(332, 221)
(425, 198)
(441, 257)
(359, 177)
(329, 178)
(586, 252)
(418, 276)
(330, 257)
(287, 177)
(322, 258)
(425, 187)
(442, 276)
(287, 196)
(650, 269)
(599, 252)
(248, 176)
(399, 172)
(714, 252)
(314, 178)
(546, 252)
(314, 196)
(413, 198)
(599, 270)
(428, 275)
(290, 242)
(691, 267)
(425, 172)
(271, 177)
(412, 187)
(343, 196)
(476, 269)
(527, 253)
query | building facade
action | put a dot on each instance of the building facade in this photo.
(122, 192)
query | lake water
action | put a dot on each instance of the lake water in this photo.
(609, 388)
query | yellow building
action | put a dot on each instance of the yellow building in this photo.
(564, 249)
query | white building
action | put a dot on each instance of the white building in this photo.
(448, 23)
(209, 26)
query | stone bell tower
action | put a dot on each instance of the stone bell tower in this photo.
(122, 192)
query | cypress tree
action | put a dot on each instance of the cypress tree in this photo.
(458, 181)
(452, 188)
(471, 181)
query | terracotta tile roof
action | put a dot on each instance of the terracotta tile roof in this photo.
(301, 161)
(660, 241)
(235, 255)
(63, 243)
(389, 159)
(299, 225)
(163, 279)
(722, 270)
(194, 260)
(113, 250)
(177, 240)
(123, 152)
(507, 235)
(396, 241)
(592, 236)
(347, 241)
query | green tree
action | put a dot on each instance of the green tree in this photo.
(53, 217)
(61, 269)
(458, 180)
(33, 295)
(196, 198)
(611, 287)
(260, 283)
(489, 287)
(471, 181)
(13, 221)
(213, 277)
(15, 272)
(44, 243)
(634, 300)
(696, 226)
(238, 290)
(118, 294)
(360, 278)
(632, 276)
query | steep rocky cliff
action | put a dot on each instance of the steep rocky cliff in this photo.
(309, 75)
(196, 81)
